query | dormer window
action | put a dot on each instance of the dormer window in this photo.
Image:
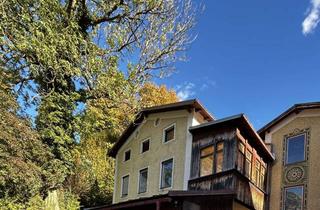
(169, 133)
(127, 155)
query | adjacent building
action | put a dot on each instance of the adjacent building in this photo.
(179, 157)
(294, 138)
(228, 155)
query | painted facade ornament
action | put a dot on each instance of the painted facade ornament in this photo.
(295, 174)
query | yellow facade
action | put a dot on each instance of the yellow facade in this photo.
(306, 121)
(179, 149)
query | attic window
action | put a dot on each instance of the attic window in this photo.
(127, 155)
(145, 146)
(169, 133)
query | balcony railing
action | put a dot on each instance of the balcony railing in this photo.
(233, 180)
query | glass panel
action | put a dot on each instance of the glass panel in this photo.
(294, 198)
(248, 164)
(127, 155)
(166, 173)
(125, 185)
(169, 134)
(249, 155)
(207, 151)
(240, 160)
(262, 174)
(220, 146)
(257, 173)
(206, 165)
(295, 149)
(241, 147)
(145, 146)
(219, 157)
(219, 162)
(143, 180)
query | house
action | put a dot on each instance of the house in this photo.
(178, 157)
(153, 154)
(295, 140)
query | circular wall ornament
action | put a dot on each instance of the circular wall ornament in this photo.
(294, 174)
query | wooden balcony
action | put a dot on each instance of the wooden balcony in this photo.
(245, 191)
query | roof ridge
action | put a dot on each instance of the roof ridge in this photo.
(287, 112)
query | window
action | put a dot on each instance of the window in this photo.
(143, 179)
(262, 177)
(240, 162)
(248, 164)
(145, 146)
(125, 186)
(295, 149)
(166, 173)
(293, 198)
(127, 155)
(256, 173)
(169, 133)
(219, 157)
(206, 160)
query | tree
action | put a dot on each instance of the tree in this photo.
(68, 53)
(65, 54)
(153, 95)
(22, 154)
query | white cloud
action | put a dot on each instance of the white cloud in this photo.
(185, 91)
(312, 19)
(207, 83)
(204, 86)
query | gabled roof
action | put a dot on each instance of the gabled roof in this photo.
(240, 121)
(294, 109)
(189, 104)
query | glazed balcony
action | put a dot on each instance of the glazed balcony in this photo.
(232, 180)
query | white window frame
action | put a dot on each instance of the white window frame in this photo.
(124, 155)
(139, 193)
(121, 195)
(285, 196)
(172, 174)
(287, 147)
(164, 133)
(141, 146)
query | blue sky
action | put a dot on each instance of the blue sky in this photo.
(252, 57)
